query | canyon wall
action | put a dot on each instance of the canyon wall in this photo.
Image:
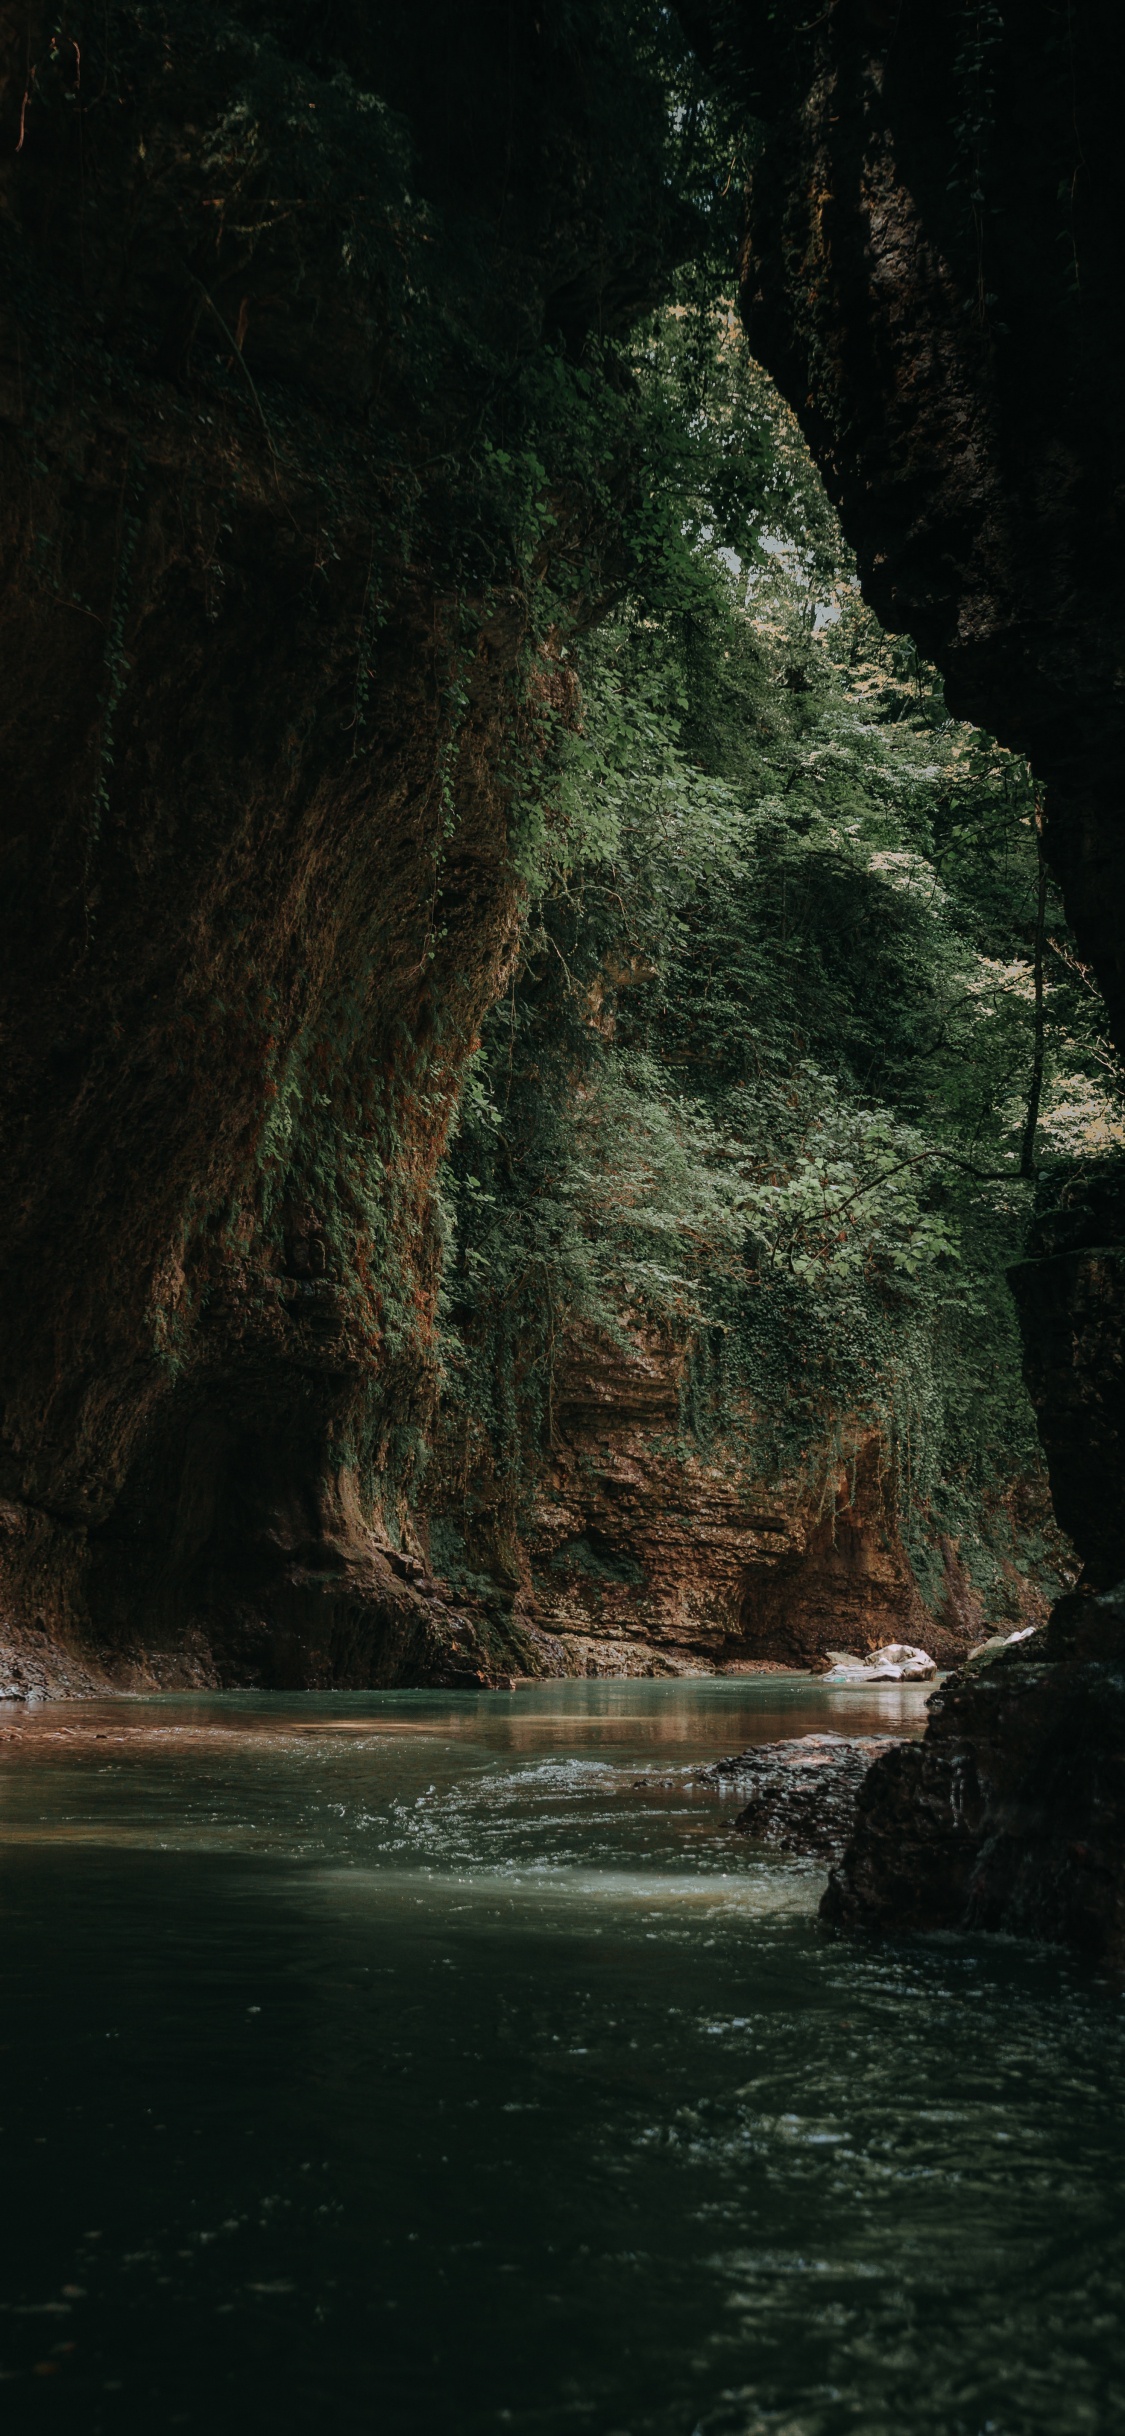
(642, 1552)
(272, 682)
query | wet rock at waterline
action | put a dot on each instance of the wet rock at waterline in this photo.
(803, 1793)
(1010, 1813)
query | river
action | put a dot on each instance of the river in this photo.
(399, 2062)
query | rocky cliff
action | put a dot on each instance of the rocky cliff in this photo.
(276, 295)
(645, 1553)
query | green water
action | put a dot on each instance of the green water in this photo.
(395, 2062)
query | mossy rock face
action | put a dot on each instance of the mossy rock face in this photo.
(597, 1560)
(270, 651)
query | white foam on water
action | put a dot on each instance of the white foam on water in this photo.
(766, 1891)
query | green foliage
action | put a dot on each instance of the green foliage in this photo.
(757, 1092)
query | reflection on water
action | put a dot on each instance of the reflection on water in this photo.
(441, 2062)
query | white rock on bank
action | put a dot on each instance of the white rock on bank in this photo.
(985, 1651)
(898, 1662)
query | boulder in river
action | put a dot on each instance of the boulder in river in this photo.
(802, 1793)
(898, 1662)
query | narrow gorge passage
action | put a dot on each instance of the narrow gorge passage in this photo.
(533, 1025)
(563, 1169)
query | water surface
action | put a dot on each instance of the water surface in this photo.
(402, 2062)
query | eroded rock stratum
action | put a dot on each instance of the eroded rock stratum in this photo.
(645, 1553)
